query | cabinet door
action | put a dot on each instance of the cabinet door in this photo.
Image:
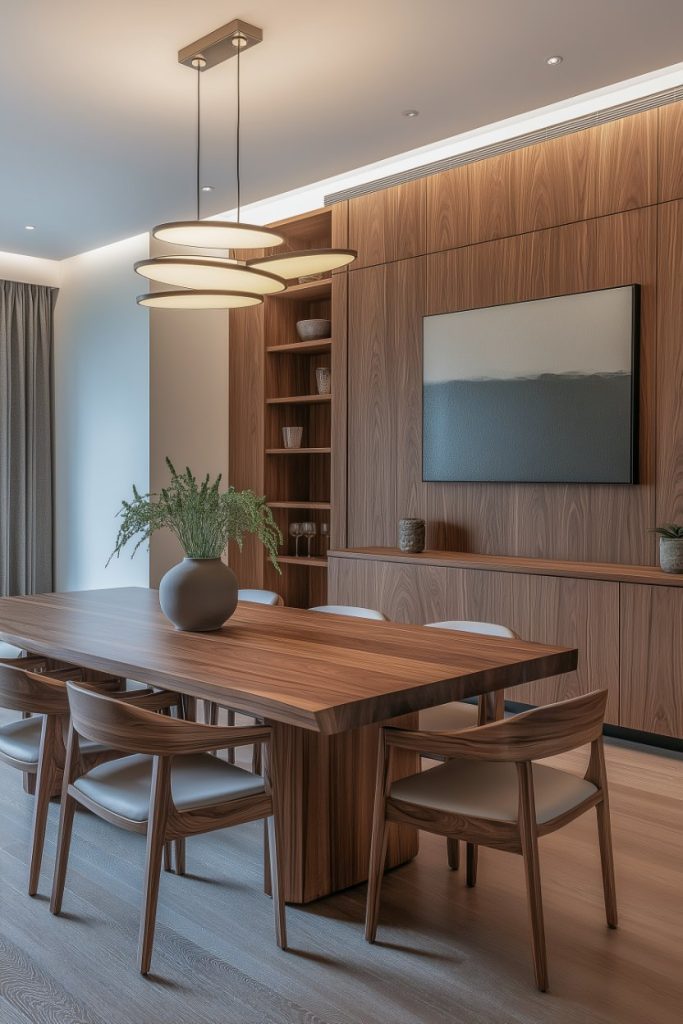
(652, 659)
(576, 613)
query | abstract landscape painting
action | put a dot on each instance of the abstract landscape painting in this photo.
(538, 391)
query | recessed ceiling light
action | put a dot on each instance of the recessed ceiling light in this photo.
(410, 113)
(207, 188)
(30, 227)
(554, 60)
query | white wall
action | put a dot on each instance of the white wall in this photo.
(101, 413)
(188, 403)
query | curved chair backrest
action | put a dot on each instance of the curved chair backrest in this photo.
(529, 736)
(260, 597)
(28, 691)
(483, 628)
(135, 730)
(351, 611)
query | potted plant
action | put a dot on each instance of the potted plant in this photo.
(670, 547)
(199, 593)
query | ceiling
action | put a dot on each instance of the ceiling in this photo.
(97, 117)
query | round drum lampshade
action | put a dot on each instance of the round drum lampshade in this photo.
(208, 273)
(205, 299)
(217, 234)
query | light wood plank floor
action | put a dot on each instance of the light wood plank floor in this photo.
(446, 953)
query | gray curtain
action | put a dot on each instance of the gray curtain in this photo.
(26, 334)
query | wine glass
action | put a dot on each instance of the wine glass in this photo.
(325, 536)
(296, 530)
(309, 532)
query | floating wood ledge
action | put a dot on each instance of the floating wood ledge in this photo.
(648, 574)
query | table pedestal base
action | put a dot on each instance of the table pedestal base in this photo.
(325, 786)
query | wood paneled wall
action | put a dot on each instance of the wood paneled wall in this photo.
(595, 209)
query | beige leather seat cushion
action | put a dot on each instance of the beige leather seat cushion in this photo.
(489, 789)
(197, 780)
(21, 740)
(449, 717)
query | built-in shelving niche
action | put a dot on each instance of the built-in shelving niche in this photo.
(297, 483)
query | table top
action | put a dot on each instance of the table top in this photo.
(327, 673)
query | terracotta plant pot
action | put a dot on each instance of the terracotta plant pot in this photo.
(671, 554)
(198, 594)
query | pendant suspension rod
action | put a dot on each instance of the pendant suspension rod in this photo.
(239, 118)
(199, 130)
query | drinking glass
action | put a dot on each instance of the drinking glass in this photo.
(296, 530)
(309, 532)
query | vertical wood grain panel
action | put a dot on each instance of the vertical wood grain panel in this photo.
(246, 427)
(669, 407)
(623, 165)
(576, 613)
(372, 410)
(447, 209)
(389, 224)
(338, 482)
(652, 659)
(601, 170)
(671, 152)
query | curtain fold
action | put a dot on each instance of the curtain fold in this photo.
(26, 398)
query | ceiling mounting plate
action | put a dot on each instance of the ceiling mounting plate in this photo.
(218, 46)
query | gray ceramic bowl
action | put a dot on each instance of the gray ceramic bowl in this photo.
(313, 330)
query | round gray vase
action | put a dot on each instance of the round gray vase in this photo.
(198, 594)
(671, 554)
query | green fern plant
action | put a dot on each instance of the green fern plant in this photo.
(200, 515)
(670, 530)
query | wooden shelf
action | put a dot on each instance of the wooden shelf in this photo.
(314, 290)
(319, 505)
(306, 348)
(608, 571)
(309, 563)
(298, 451)
(299, 400)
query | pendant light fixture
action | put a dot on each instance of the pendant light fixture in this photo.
(223, 282)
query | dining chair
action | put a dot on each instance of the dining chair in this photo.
(34, 744)
(459, 714)
(351, 610)
(492, 792)
(268, 597)
(260, 596)
(167, 786)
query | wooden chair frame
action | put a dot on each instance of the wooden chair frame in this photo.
(539, 733)
(135, 730)
(45, 694)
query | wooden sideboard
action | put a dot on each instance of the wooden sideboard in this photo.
(626, 620)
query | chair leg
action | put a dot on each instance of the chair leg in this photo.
(607, 861)
(472, 861)
(156, 826)
(276, 866)
(267, 880)
(453, 851)
(179, 849)
(378, 856)
(231, 750)
(66, 820)
(168, 856)
(532, 870)
(44, 782)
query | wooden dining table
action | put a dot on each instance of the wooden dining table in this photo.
(323, 682)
